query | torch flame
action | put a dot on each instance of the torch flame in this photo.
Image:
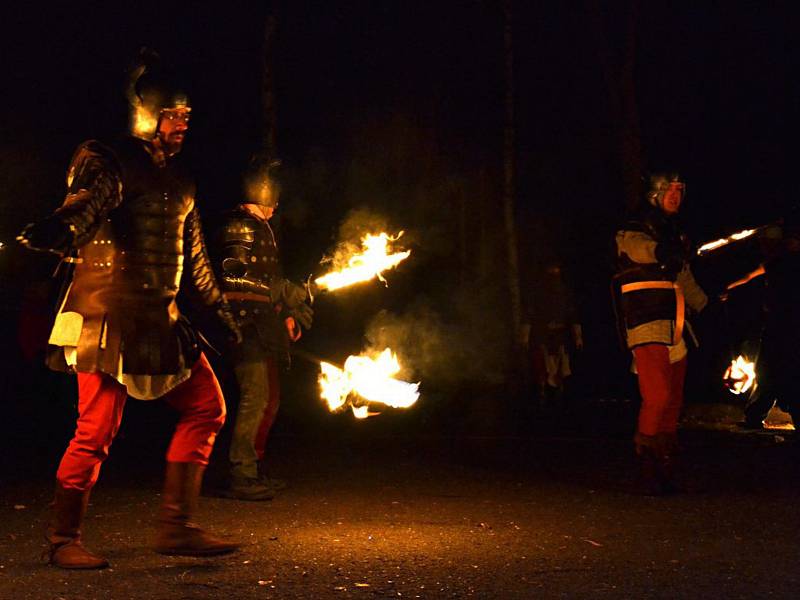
(370, 378)
(371, 262)
(725, 241)
(740, 375)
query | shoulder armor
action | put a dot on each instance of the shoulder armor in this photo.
(238, 228)
(87, 157)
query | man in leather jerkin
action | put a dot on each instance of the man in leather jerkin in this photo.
(269, 310)
(130, 226)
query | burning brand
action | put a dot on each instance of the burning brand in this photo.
(373, 259)
(740, 375)
(364, 381)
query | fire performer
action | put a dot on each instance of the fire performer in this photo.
(779, 357)
(128, 224)
(654, 283)
(270, 311)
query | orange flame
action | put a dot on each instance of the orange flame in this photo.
(371, 379)
(740, 375)
(371, 261)
(725, 241)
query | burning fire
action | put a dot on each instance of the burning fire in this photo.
(725, 241)
(371, 261)
(740, 375)
(371, 379)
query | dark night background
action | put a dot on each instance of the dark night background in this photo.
(398, 108)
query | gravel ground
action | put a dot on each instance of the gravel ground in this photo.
(379, 516)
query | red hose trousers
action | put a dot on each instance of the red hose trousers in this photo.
(661, 386)
(101, 401)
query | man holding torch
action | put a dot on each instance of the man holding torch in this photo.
(779, 356)
(653, 285)
(270, 311)
(129, 224)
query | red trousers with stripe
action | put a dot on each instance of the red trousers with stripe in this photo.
(661, 386)
(101, 401)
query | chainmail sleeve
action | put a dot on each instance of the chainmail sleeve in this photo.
(201, 273)
(94, 188)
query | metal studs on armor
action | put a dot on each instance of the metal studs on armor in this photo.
(242, 312)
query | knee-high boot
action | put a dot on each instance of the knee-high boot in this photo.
(667, 460)
(177, 535)
(64, 531)
(649, 481)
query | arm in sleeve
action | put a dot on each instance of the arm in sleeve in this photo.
(201, 273)
(696, 298)
(94, 188)
(639, 246)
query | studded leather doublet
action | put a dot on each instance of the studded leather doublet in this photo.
(131, 258)
(249, 262)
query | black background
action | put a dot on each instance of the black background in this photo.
(397, 107)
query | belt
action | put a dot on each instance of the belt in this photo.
(247, 297)
(680, 315)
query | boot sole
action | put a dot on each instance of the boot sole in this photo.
(81, 567)
(235, 496)
(197, 552)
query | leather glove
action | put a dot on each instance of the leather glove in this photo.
(225, 315)
(287, 293)
(671, 254)
(303, 314)
(48, 235)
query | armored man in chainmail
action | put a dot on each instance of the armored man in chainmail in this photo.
(270, 311)
(130, 227)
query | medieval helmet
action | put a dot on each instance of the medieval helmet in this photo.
(261, 181)
(658, 185)
(151, 90)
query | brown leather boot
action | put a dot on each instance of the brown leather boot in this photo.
(64, 532)
(667, 458)
(177, 535)
(649, 481)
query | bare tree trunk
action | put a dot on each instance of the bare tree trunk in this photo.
(508, 174)
(630, 137)
(463, 236)
(621, 89)
(268, 114)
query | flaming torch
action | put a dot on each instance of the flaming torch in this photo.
(370, 261)
(734, 237)
(740, 375)
(363, 381)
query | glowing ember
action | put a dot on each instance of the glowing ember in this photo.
(725, 241)
(370, 262)
(371, 379)
(740, 375)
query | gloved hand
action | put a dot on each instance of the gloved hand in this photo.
(291, 295)
(671, 254)
(48, 235)
(225, 315)
(303, 314)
